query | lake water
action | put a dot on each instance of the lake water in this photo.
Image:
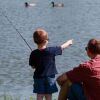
(78, 19)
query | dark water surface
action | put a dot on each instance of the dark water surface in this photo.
(78, 19)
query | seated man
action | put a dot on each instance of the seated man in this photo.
(83, 82)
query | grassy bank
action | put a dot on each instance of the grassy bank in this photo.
(8, 97)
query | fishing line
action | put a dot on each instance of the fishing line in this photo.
(15, 28)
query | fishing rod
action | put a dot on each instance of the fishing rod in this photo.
(15, 28)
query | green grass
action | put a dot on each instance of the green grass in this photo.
(8, 97)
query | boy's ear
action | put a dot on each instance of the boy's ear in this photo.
(46, 41)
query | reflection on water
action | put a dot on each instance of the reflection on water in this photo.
(79, 20)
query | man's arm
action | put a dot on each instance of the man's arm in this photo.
(62, 79)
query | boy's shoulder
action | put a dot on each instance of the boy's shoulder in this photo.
(47, 49)
(53, 47)
(34, 51)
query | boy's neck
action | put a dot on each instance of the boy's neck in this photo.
(42, 46)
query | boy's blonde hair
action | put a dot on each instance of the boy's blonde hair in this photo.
(40, 36)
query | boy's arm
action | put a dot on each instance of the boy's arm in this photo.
(67, 44)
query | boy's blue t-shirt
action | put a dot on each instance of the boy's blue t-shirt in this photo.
(44, 61)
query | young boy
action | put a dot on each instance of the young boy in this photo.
(42, 60)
